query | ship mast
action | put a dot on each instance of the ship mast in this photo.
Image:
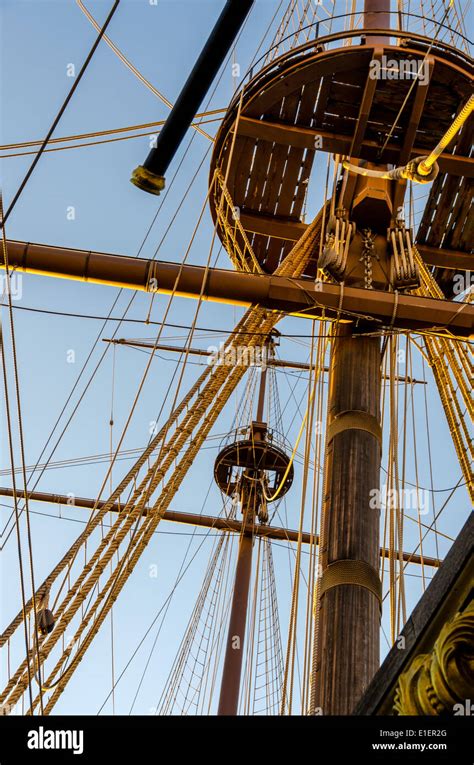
(349, 590)
(261, 166)
(255, 456)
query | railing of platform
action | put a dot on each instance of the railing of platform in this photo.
(260, 67)
(407, 21)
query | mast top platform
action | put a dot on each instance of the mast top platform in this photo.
(252, 459)
(339, 93)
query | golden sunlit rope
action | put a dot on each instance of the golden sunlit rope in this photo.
(420, 169)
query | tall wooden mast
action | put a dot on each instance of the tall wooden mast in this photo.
(253, 459)
(348, 613)
(349, 592)
(231, 675)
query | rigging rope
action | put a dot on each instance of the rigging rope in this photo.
(421, 169)
(35, 602)
(100, 133)
(221, 384)
(288, 679)
(61, 112)
(133, 69)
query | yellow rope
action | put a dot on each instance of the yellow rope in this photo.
(424, 168)
(295, 449)
(421, 169)
(288, 678)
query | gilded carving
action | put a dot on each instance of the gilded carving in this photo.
(435, 683)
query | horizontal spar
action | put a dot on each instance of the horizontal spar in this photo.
(337, 143)
(208, 521)
(296, 297)
(270, 362)
(440, 257)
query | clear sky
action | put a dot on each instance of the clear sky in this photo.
(39, 42)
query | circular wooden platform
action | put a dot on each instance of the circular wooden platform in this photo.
(257, 458)
(319, 96)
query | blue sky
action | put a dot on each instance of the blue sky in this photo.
(39, 41)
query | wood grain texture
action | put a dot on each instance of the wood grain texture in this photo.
(349, 615)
